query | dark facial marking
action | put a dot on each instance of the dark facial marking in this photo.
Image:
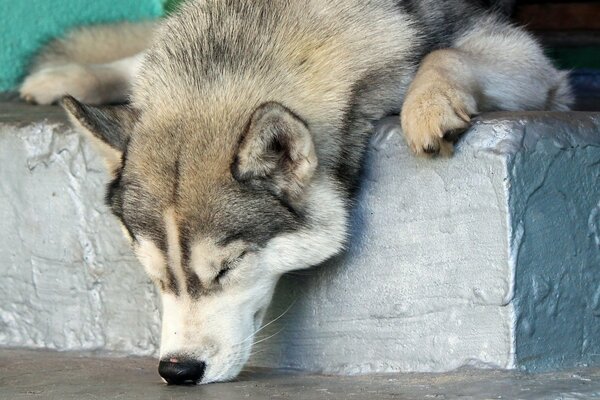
(171, 284)
(114, 200)
(176, 180)
(113, 197)
(193, 284)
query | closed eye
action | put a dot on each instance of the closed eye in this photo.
(222, 273)
(227, 266)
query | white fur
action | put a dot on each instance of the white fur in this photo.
(324, 237)
(217, 329)
(151, 259)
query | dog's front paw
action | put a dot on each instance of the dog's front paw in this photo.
(433, 114)
(49, 85)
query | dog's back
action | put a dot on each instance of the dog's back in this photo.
(306, 54)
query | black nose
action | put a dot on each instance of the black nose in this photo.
(177, 372)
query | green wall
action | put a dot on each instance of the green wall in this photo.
(25, 25)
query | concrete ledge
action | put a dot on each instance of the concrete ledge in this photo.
(490, 258)
(58, 376)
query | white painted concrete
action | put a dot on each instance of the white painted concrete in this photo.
(68, 279)
(426, 284)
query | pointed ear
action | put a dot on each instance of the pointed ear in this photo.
(109, 126)
(277, 149)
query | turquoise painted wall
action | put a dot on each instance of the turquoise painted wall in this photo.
(25, 25)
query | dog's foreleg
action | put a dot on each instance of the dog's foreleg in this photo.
(494, 66)
(91, 83)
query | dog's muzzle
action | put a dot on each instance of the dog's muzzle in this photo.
(180, 372)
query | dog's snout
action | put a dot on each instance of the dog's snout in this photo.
(177, 372)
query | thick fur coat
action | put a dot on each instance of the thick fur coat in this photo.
(237, 154)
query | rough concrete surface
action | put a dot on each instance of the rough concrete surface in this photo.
(69, 281)
(27, 375)
(554, 198)
(427, 283)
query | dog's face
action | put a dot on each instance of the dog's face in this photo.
(215, 222)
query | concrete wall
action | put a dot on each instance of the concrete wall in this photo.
(489, 258)
(68, 278)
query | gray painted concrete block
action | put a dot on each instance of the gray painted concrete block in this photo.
(554, 202)
(490, 258)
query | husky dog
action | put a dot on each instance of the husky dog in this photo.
(236, 156)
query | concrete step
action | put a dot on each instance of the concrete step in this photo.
(67, 376)
(490, 258)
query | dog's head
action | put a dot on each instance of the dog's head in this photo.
(215, 217)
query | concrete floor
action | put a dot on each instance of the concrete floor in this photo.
(26, 374)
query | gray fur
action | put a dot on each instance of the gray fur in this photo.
(221, 200)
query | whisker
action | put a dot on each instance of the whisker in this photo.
(267, 324)
(267, 338)
(260, 351)
(300, 273)
(276, 319)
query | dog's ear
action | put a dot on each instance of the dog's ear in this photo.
(109, 126)
(277, 149)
